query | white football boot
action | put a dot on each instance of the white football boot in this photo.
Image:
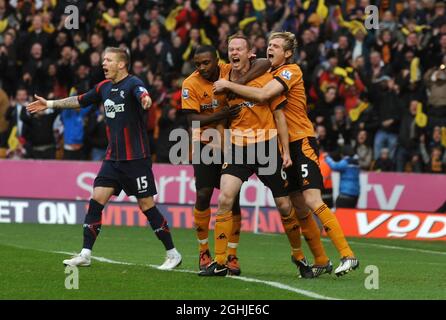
(347, 264)
(78, 260)
(173, 260)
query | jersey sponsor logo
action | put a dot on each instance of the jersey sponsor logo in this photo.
(247, 104)
(209, 106)
(111, 108)
(185, 93)
(286, 74)
(114, 89)
(121, 93)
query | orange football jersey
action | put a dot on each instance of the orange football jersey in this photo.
(197, 95)
(299, 125)
(255, 122)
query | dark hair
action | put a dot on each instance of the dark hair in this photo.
(206, 48)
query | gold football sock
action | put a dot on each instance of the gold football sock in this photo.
(292, 230)
(312, 235)
(334, 231)
(201, 221)
(223, 228)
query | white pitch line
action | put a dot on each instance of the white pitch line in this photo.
(286, 287)
(384, 246)
(273, 284)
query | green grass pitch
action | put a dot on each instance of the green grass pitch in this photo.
(32, 268)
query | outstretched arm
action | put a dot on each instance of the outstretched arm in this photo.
(337, 166)
(270, 90)
(42, 104)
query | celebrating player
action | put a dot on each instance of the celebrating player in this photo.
(198, 103)
(305, 179)
(255, 128)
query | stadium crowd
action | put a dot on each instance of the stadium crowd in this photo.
(381, 91)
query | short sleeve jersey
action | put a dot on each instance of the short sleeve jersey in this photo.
(197, 95)
(255, 122)
(124, 117)
(299, 125)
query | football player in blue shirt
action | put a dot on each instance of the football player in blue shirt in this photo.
(127, 165)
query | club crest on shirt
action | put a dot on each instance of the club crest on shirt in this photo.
(286, 74)
(185, 93)
(142, 89)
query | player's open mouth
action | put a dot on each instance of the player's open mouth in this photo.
(235, 60)
(270, 56)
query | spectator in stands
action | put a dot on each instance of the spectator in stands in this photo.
(435, 80)
(35, 70)
(413, 13)
(384, 96)
(363, 150)
(349, 170)
(433, 161)
(8, 63)
(325, 141)
(37, 34)
(73, 134)
(408, 137)
(325, 107)
(340, 126)
(13, 116)
(386, 45)
(39, 134)
(384, 163)
(377, 69)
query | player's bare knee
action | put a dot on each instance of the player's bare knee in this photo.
(225, 201)
(313, 202)
(146, 203)
(283, 205)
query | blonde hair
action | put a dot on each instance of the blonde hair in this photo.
(290, 42)
(123, 54)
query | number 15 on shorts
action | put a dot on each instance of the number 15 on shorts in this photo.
(142, 183)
